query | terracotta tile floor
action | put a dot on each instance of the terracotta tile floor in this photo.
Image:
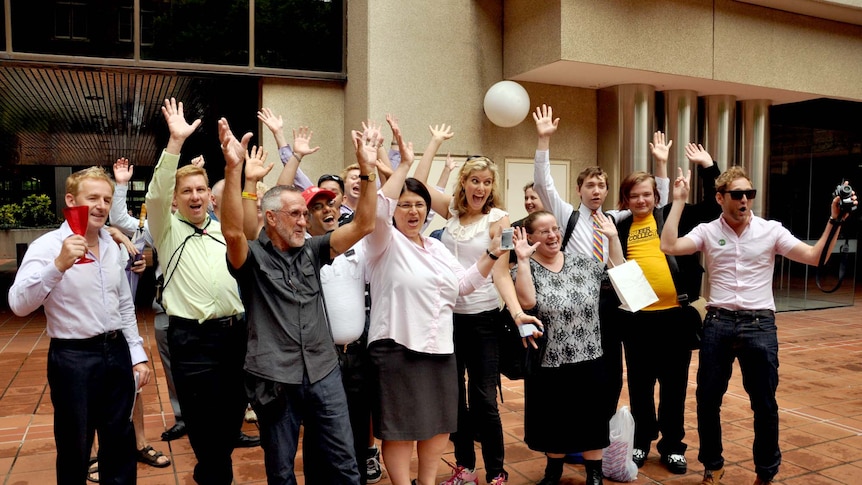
(820, 397)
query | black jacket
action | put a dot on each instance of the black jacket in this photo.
(686, 271)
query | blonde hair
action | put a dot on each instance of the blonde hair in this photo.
(477, 164)
(188, 171)
(347, 169)
(73, 182)
(726, 178)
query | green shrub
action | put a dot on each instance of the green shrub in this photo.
(37, 211)
(10, 215)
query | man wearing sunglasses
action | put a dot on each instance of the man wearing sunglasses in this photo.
(739, 249)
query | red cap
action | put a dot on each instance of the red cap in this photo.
(314, 192)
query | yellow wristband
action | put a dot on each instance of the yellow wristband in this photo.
(249, 196)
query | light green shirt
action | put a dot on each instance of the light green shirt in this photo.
(198, 284)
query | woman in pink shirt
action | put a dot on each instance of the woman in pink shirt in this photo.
(415, 281)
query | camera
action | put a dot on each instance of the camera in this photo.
(844, 192)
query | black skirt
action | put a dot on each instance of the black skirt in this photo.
(565, 408)
(414, 395)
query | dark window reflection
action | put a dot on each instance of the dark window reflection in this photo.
(299, 34)
(2, 29)
(90, 28)
(211, 32)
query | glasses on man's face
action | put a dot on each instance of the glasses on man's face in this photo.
(737, 194)
(294, 214)
(410, 205)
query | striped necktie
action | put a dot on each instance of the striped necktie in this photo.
(598, 246)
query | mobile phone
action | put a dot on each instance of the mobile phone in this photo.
(506, 241)
(528, 329)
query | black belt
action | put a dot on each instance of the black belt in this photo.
(214, 322)
(741, 314)
(351, 348)
(90, 342)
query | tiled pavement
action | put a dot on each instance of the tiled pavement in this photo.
(820, 396)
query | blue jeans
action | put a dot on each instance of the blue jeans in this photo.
(749, 336)
(322, 408)
(477, 348)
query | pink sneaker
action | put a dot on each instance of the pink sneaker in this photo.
(461, 476)
(500, 479)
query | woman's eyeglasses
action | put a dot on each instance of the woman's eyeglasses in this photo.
(737, 194)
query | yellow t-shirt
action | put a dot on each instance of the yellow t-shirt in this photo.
(644, 246)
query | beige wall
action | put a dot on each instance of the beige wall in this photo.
(722, 40)
(427, 66)
(766, 47)
(316, 104)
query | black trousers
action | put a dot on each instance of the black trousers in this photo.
(93, 389)
(207, 361)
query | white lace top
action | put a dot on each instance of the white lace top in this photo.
(468, 244)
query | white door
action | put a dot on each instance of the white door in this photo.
(519, 172)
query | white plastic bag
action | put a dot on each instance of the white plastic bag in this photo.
(617, 463)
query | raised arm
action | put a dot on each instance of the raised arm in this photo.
(119, 214)
(804, 253)
(290, 175)
(232, 211)
(392, 188)
(439, 201)
(502, 278)
(671, 243)
(346, 236)
(543, 183)
(660, 148)
(160, 193)
(256, 169)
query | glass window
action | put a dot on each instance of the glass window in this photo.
(126, 24)
(212, 32)
(88, 28)
(317, 26)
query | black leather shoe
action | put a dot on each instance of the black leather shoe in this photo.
(177, 431)
(246, 441)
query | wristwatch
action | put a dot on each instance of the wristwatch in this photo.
(371, 177)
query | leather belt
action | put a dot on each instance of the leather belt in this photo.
(215, 322)
(741, 314)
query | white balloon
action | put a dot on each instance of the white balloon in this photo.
(507, 104)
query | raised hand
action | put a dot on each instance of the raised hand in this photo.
(122, 171)
(681, 185)
(302, 142)
(606, 225)
(255, 168)
(74, 247)
(365, 142)
(523, 248)
(371, 127)
(393, 124)
(441, 133)
(697, 154)
(660, 146)
(273, 122)
(198, 161)
(546, 125)
(234, 150)
(451, 164)
(175, 117)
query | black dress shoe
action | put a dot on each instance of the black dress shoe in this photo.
(177, 431)
(246, 441)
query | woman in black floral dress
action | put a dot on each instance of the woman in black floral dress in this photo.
(562, 290)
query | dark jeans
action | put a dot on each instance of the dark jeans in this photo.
(477, 350)
(93, 389)
(206, 362)
(749, 336)
(322, 409)
(656, 344)
(354, 363)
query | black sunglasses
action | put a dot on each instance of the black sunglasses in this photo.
(737, 194)
(334, 178)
